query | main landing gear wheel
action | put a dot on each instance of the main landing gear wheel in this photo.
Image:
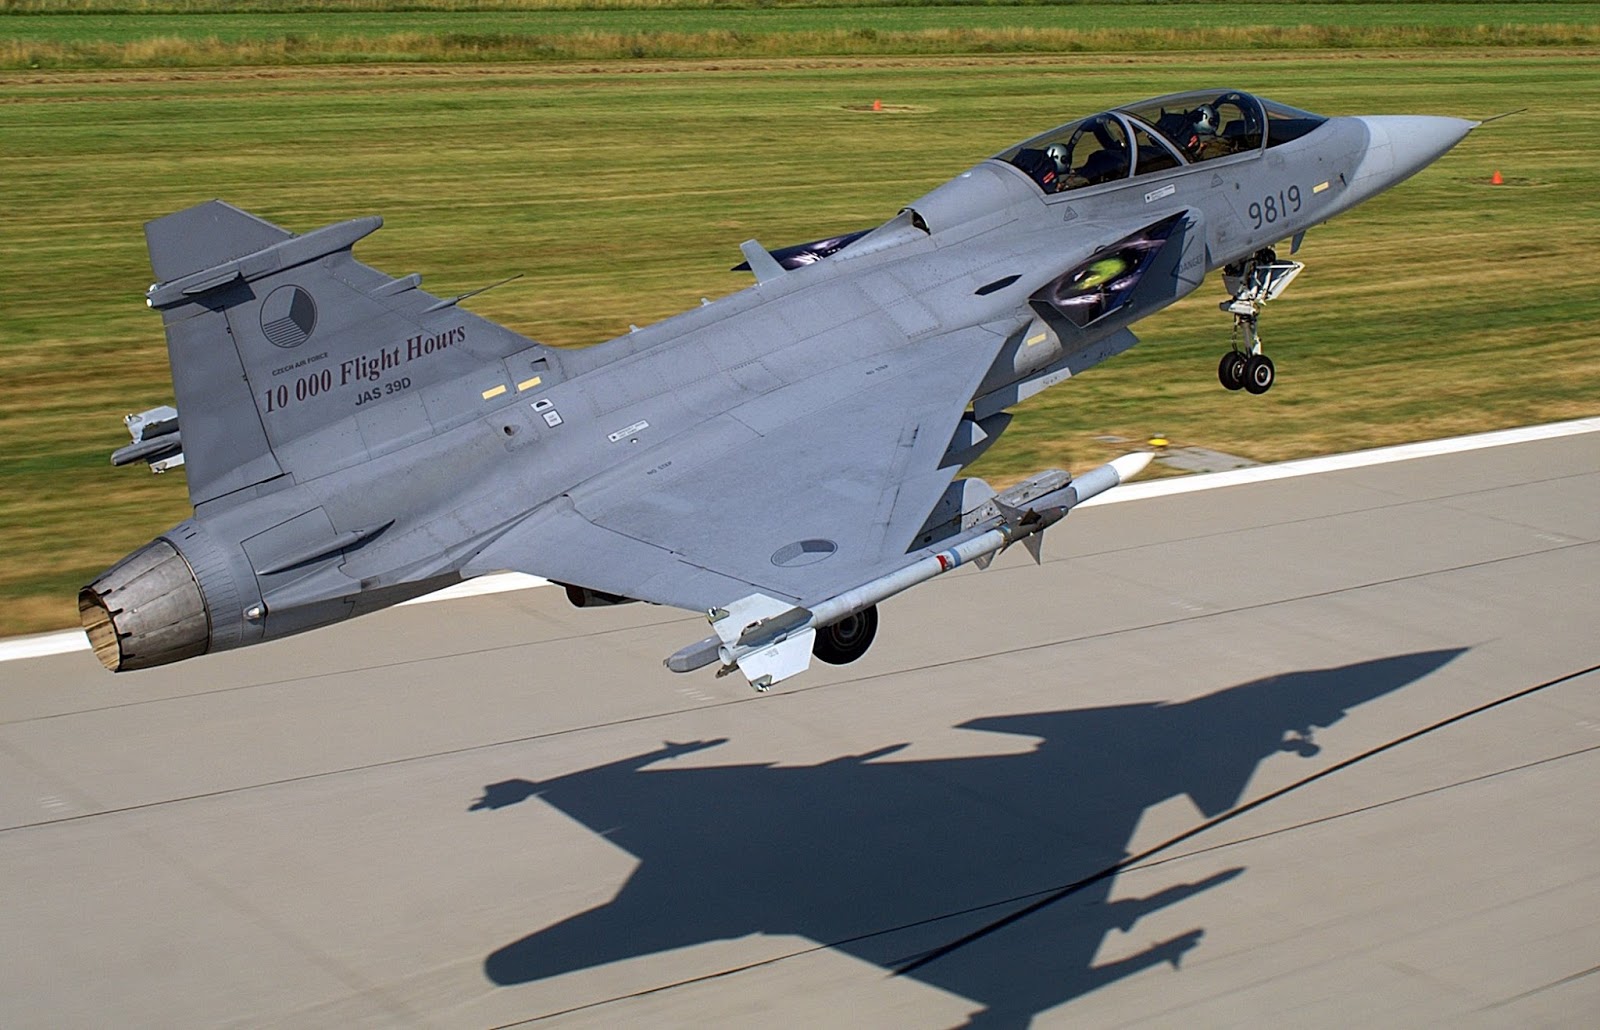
(848, 639)
(1259, 374)
(1231, 370)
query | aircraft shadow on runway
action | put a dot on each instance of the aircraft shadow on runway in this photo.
(843, 851)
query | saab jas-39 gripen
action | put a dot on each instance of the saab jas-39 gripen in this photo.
(782, 459)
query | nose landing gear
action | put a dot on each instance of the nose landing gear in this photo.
(1251, 283)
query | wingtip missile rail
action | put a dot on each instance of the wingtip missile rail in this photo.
(157, 440)
(769, 640)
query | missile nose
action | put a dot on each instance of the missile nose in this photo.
(1130, 465)
(1399, 146)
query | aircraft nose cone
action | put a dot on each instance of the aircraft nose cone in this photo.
(1399, 146)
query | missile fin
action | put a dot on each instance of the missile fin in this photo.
(789, 657)
(736, 619)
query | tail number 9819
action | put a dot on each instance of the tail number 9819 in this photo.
(1275, 206)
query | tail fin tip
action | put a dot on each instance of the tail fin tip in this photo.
(204, 236)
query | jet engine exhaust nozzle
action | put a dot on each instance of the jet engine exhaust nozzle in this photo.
(146, 610)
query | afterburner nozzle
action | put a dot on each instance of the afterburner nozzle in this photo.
(146, 610)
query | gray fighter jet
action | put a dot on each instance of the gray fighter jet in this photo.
(782, 459)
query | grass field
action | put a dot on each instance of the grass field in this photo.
(623, 189)
(209, 35)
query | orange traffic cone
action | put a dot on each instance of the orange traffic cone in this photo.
(1495, 179)
(877, 105)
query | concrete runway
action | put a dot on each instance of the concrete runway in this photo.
(503, 809)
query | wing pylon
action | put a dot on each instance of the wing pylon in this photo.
(769, 640)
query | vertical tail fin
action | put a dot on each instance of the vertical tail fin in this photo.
(276, 340)
(225, 445)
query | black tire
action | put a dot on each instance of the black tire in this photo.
(1230, 370)
(1259, 374)
(848, 639)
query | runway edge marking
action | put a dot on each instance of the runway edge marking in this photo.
(65, 641)
(1342, 462)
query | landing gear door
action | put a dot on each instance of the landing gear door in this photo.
(1179, 268)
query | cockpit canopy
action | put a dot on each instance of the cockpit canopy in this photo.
(1155, 135)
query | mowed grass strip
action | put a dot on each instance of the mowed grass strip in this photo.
(202, 35)
(123, 19)
(622, 191)
(221, 7)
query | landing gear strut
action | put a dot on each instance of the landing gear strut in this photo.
(1251, 283)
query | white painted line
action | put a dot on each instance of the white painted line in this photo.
(44, 644)
(495, 583)
(67, 641)
(1340, 462)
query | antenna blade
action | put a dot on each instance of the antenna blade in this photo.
(458, 298)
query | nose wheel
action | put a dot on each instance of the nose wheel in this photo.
(1251, 283)
(1251, 372)
(1231, 370)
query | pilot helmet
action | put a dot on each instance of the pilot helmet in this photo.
(1205, 120)
(1057, 152)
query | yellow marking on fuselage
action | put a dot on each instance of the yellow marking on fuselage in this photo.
(1319, 187)
(490, 395)
(1038, 339)
(528, 384)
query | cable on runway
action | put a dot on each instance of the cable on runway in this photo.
(1067, 890)
(1050, 896)
(1179, 620)
(1574, 978)
(1358, 810)
(769, 698)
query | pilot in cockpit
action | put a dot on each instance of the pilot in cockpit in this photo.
(1095, 152)
(1067, 178)
(1199, 138)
